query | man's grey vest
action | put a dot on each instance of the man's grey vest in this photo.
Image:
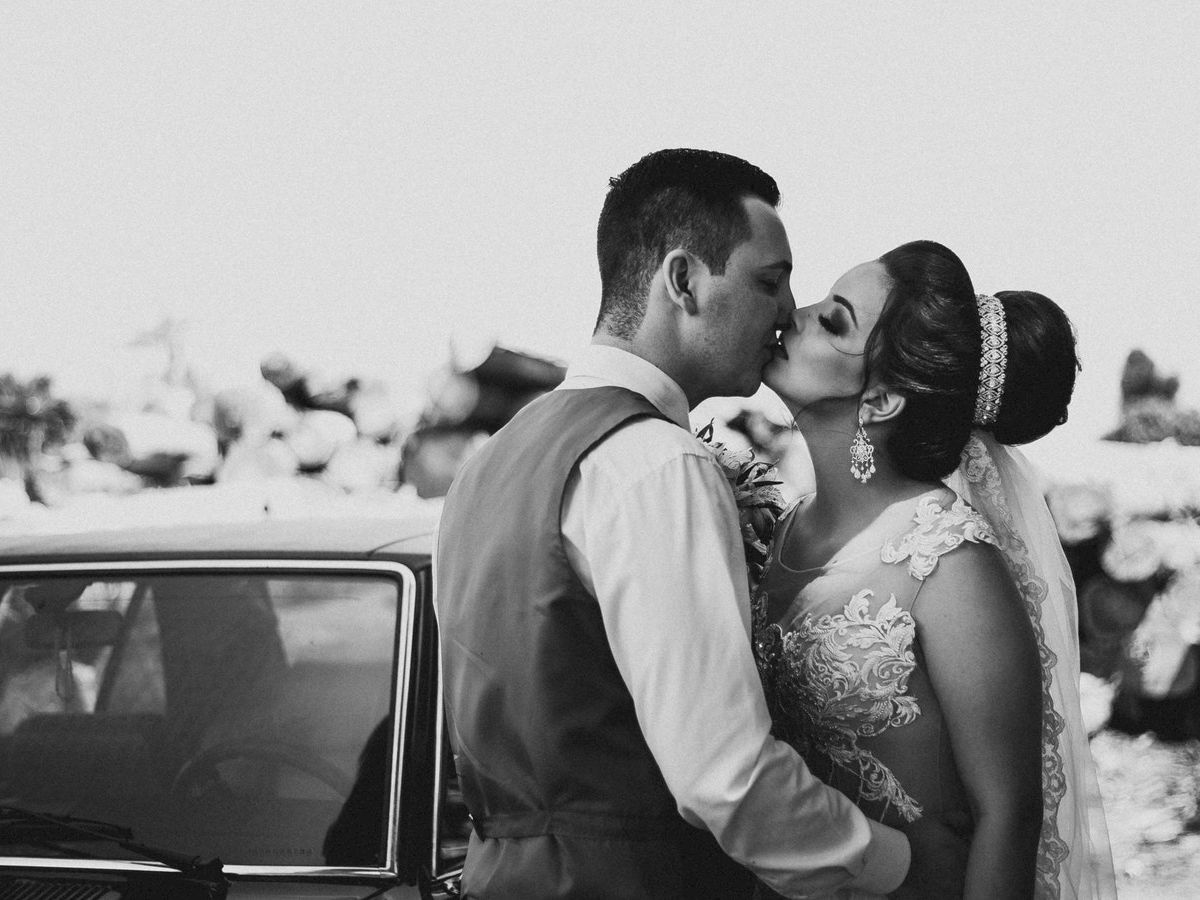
(566, 798)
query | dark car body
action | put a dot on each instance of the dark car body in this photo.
(260, 700)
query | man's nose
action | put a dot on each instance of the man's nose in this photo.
(787, 306)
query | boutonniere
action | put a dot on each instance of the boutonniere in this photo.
(756, 493)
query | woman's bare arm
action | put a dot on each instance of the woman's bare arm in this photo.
(982, 659)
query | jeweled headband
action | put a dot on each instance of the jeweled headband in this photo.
(992, 359)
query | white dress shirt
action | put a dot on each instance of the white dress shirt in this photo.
(651, 528)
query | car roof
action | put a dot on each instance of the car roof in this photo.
(407, 539)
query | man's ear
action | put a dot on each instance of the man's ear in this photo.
(679, 269)
(880, 404)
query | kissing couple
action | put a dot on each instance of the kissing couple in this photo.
(889, 706)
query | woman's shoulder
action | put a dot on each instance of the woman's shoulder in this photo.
(972, 597)
(942, 522)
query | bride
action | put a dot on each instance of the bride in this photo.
(915, 624)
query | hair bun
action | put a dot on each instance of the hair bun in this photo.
(1042, 364)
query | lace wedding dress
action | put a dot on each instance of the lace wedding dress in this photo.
(841, 661)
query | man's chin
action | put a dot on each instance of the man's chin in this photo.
(746, 388)
(774, 367)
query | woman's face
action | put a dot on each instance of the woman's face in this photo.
(825, 346)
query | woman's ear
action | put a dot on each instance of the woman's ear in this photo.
(679, 269)
(880, 404)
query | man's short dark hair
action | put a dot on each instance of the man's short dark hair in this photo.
(669, 199)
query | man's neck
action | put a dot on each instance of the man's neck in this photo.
(661, 360)
(637, 348)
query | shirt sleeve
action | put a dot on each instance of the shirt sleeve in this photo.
(662, 554)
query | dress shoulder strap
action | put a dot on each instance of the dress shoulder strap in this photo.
(936, 530)
(783, 525)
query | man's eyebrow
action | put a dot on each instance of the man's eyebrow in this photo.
(783, 264)
(850, 309)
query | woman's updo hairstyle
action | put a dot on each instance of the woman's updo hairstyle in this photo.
(926, 345)
(1042, 365)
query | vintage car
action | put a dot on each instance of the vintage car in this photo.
(243, 710)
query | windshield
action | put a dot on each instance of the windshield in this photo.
(238, 715)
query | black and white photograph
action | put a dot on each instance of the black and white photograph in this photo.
(599, 451)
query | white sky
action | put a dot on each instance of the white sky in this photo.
(356, 184)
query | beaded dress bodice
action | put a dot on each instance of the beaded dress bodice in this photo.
(839, 653)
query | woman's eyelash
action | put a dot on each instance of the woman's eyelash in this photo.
(827, 324)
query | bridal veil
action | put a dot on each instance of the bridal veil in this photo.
(1074, 857)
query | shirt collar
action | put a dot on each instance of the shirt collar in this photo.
(601, 364)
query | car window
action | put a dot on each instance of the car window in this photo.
(135, 683)
(237, 714)
(37, 675)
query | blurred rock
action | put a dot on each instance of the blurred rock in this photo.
(171, 400)
(14, 500)
(1162, 652)
(363, 465)
(333, 394)
(367, 402)
(92, 476)
(1187, 428)
(1133, 552)
(250, 460)
(1180, 544)
(1157, 826)
(460, 401)
(317, 435)
(486, 386)
(1080, 511)
(106, 443)
(376, 412)
(1109, 611)
(162, 449)
(253, 411)
(1146, 421)
(1140, 380)
(281, 371)
(1095, 701)
(520, 373)
(432, 457)
(1150, 789)
(1142, 548)
(307, 388)
(1143, 480)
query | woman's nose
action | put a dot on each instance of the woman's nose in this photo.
(801, 316)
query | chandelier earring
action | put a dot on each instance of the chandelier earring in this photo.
(862, 454)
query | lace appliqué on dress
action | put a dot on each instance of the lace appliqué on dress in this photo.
(840, 677)
(936, 531)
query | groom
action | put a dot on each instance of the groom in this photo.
(609, 726)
